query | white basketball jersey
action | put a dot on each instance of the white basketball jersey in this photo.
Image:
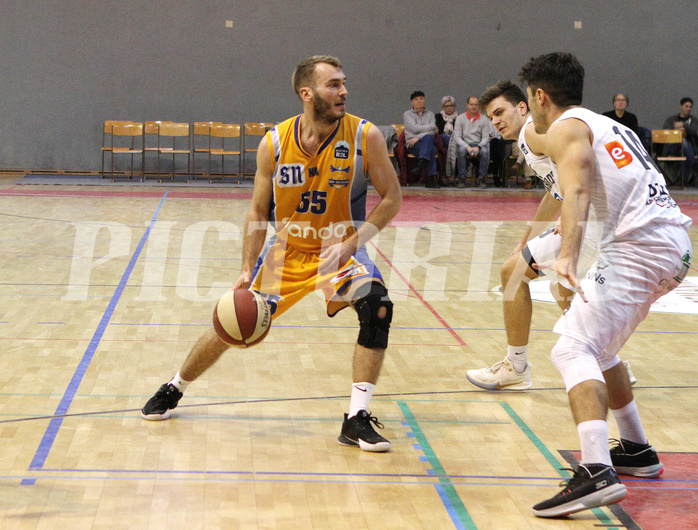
(540, 164)
(628, 192)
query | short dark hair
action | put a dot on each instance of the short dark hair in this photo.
(416, 94)
(560, 74)
(506, 89)
(304, 74)
(686, 100)
(627, 99)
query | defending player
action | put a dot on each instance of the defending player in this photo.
(505, 105)
(311, 183)
(610, 184)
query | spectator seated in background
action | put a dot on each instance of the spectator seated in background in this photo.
(621, 115)
(472, 134)
(688, 125)
(445, 122)
(446, 119)
(420, 128)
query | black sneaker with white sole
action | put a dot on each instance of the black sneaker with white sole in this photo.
(591, 486)
(636, 460)
(358, 431)
(159, 406)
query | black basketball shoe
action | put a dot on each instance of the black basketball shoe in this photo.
(165, 399)
(592, 485)
(637, 460)
(358, 431)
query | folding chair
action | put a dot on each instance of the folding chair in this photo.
(123, 142)
(168, 135)
(224, 131)
(202, 143)
(252, 130)
(107, 141)
(151, 140)
(669, 137)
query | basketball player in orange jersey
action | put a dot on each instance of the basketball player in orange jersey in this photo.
(311, 183)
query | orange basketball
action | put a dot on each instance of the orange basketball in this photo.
(242, 318)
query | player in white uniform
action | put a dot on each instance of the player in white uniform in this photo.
(609, 182)
(505, 105)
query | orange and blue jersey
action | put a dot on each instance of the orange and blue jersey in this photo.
(318, 198)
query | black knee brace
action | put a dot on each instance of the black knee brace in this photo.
(373, 331)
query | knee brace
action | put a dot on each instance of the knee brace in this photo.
(373, 330)
(576, 362)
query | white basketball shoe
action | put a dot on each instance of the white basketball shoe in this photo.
(501, 376)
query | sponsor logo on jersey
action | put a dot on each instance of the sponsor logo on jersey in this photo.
(339, 183)
(620, 156)
(312, 172)
(658, 195)
(304, 230)
(350, 272)
(341, 150)
(290, 175)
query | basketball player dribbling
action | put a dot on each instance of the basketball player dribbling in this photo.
(311, 183)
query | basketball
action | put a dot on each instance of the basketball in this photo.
(241, 318)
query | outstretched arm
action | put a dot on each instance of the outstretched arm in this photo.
(569, 145)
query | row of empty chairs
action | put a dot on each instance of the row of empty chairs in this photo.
(168, 141)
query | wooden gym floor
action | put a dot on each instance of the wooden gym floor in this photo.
(104, 290)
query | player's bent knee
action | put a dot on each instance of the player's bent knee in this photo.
(375, 312)
(576, 362)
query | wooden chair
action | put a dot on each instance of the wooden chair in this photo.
(124, 136)
(223, 132)
(201, 140)
(668, 137)
(151, 139)
(253, 130)
(107, 140)
(169, 134)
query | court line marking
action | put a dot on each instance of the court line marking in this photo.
(447, 492)
(603, 518)
(54, 425)
(419, 296)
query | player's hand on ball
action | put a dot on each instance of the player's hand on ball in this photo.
(243, 281)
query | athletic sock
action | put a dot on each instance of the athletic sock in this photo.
(361, 394)
(593, 436)
(629, 423)
(180, 383)
(518, 357)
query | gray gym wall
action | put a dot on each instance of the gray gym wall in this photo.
(68, 65)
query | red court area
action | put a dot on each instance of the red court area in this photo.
(416, 209)
(669, 502)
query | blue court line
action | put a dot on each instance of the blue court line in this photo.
(448, 494)
(52, 430)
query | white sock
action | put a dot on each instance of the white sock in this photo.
(518, 357)
(180, 383)
(629, 423)
(593, 436)
(361, 394)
